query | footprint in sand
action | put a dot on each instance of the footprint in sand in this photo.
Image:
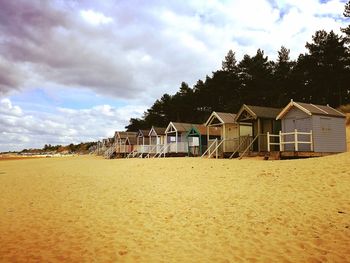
(122, 252)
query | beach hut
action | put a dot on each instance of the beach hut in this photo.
(124, 142)
(156, 140)
(176, 138)
(198, 140)
(143, 137)
(108, 147)
(309, 128)
(143, 142)
(229, 134)
(255, 122)
(102, 146)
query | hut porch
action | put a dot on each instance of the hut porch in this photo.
(156, 140)
(225, 144)
(256, 122)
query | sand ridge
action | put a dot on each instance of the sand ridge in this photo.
(83, 209)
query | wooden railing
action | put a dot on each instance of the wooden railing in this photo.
(247, 149)
(213, 144)
(109, 152)
(216, 149)
(244, 142)
(163, 151)
(294, 142)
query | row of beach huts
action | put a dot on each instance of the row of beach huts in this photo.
(297, 130)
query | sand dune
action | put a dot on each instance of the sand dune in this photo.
(348, 137)
(175, 210)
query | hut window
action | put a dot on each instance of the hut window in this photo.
(325, 124)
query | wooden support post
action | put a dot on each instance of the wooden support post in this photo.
(259, 131)
(268, 141)
(296, 140)
(223, 137)
(176, 141)
(281, 142)
(208, 136)
(166, 142)
(311, 141)
(216, 147)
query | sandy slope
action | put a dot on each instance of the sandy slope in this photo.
(348, 137)
(175, 210)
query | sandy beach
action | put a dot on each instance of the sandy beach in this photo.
(87, 209)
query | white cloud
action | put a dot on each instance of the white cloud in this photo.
(95, 18)
(20, 130)
(7, 108)
(144, 49)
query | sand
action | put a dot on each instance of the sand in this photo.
(348, 137)
(87, 209)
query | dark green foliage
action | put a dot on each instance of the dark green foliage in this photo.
(347, 14)
(71, 148)
(283, 85)
(322, 75)
(229, 64)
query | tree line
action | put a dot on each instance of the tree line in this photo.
(71, 148)
(320, 76)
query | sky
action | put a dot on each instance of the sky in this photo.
(76, 70)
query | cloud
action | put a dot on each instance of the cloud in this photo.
(7, 108)
(95, 18)
(20, 129)
(132, 49)
(11, 76)
(56, 45)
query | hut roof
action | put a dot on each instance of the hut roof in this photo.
(202, 129)
(143, 133)
(124, 135)
(158, 130)
(259, 112)
(180, 126)
(311, 109)
(223, 117)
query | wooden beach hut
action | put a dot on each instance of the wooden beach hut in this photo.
(229, 133)
(108, 147)
(143, 142)
(104, 145)
(311, 130)
(143, 137)
(124, 142)
(156, 140)
(255, 122)
(177, 139)
(198, 140)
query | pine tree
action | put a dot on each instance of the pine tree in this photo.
(347, 14)
(282, 77)
(326, 67)
(229, 64)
